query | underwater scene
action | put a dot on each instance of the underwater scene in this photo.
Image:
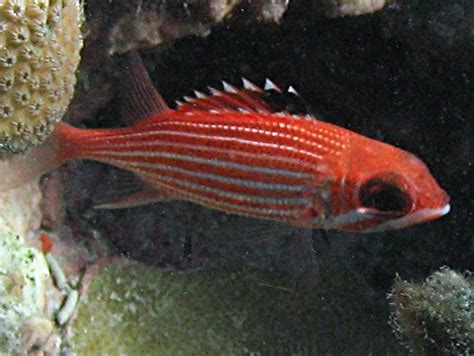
(236, 177)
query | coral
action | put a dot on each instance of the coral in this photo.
(40, 42)
(436, 316)
(129, 308)
(24, 281)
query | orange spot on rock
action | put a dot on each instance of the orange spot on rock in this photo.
(46, 243)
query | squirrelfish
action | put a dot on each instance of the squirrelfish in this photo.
(229, 150)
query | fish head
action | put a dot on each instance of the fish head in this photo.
(388, 188)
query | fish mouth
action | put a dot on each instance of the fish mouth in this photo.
(423, 215)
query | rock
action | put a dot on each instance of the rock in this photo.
(129, 308)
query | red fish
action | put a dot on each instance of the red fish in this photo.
(229, 150)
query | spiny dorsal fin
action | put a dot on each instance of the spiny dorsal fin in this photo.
(140, 99)
(228, 99)
(249, 98)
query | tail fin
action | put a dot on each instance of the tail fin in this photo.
(20, 169)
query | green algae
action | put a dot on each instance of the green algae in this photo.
(129, 308)
(437, 316)
(23, 283)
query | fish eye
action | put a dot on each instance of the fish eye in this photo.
(385, 197)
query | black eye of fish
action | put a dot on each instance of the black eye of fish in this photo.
(384, 197)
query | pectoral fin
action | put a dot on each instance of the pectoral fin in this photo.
(128, 191)
(144, 197)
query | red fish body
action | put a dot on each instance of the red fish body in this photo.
(229, 151)
(256, 164)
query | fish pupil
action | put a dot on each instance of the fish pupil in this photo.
(384, 197)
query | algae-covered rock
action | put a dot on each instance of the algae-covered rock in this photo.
(24, 279)
(128, 308)
(436, 316)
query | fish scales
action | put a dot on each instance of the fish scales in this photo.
(254, 164)
(232, 193)
(203, 176)
(144, 147)
(279, 211)
(240, 125)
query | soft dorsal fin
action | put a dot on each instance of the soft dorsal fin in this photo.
(249, 98)
(139, 98)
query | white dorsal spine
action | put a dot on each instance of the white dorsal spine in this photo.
(292, 90)
(200, 95)
(214, 91)
(269, 85)
(233, 98)
(248, 85)
(229, 88)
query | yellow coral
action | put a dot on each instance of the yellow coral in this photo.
(40, 42)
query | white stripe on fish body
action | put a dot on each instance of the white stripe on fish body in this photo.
(244, 198)
(236, 140)
(281, 213)
(197, 148)
(322, 139)
(252, 130)
(215, 177)
(104, 155)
